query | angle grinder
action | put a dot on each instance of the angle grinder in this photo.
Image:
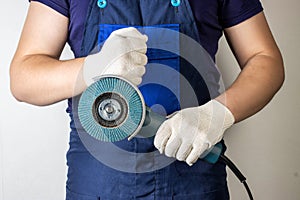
(112, 109)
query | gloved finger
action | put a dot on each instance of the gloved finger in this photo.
(196, 151)
(136, 44)
(162, 136)
(130, 32)
(138, 58)
(172, 146)
(135, 81)
(131, 45)
(136, 71)
(183, 151)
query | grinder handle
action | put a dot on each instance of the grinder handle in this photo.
(152, 123)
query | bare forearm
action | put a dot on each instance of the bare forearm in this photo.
(256, 85)
(43, 80)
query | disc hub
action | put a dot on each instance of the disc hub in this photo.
(109, 109)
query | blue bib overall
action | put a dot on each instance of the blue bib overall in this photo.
(91, 179)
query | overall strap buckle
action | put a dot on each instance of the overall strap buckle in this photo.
(102, 3)
(175, 3)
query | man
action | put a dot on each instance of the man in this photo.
(38, 77)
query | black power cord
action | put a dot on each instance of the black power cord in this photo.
(237, 172)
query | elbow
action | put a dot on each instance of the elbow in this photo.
(15, 86)
(16, 91)
(276, 71)
(19, 87)
(282, 79)
(16, 94)
(21, 94)
(280, 73)
(25, 93)
(26, 87)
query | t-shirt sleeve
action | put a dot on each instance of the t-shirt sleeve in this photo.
(237, 11)
(61, 6)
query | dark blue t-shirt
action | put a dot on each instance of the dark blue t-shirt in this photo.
(211, 16)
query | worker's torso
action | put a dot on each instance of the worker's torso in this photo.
(93, 173)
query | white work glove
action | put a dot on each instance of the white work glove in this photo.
(191, 131)
(123, 54)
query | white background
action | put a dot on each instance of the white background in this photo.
(34, 140)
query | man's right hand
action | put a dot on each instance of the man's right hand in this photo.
(123, 54)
